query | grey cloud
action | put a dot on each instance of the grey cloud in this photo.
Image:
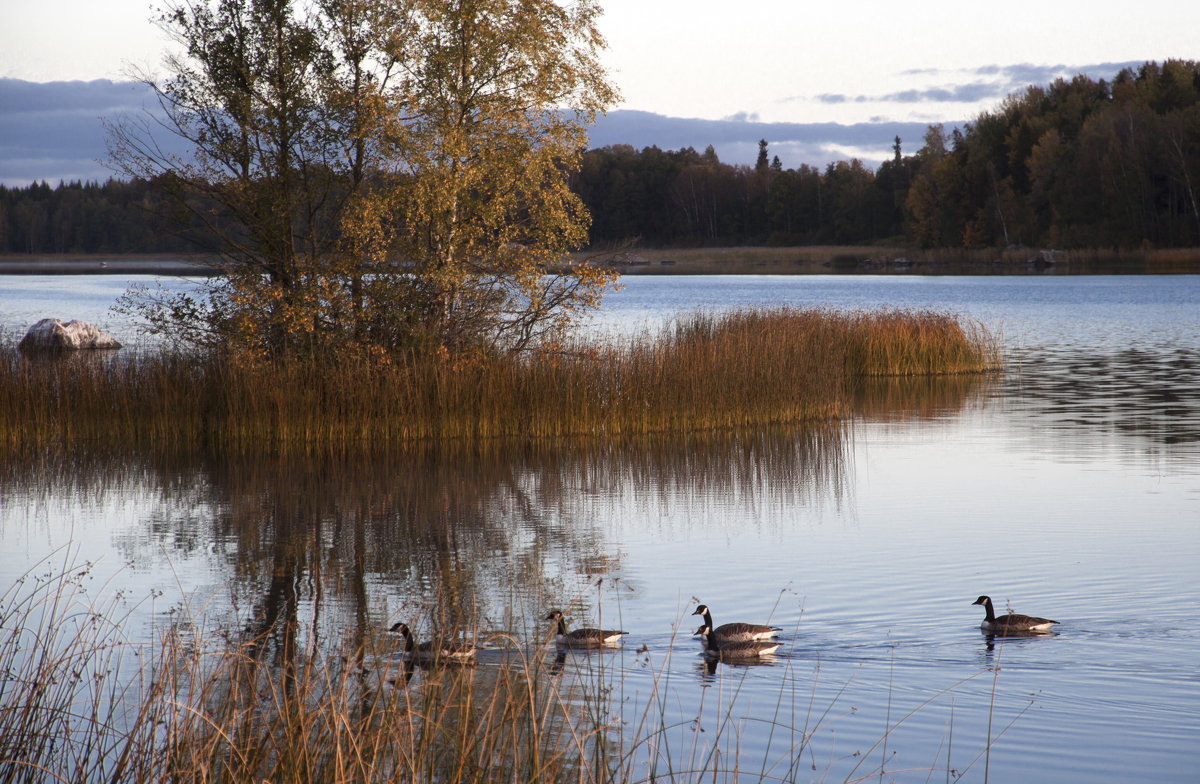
(18, 172)
(1024, 74)
(1014, 78)
(1028, 72)
(815, 144)
(975, 92)
(101, 95)
(962, 93)
(997, 82)
(54, 131)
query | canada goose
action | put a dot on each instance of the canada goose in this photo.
(429, 651)
(1012, 623)
(582, 638)
(740, 649)
(736, 632)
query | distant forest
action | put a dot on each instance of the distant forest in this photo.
(1076, 164)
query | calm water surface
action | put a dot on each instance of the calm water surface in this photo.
(1068, 487)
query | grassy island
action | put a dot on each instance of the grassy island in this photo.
(749, 368)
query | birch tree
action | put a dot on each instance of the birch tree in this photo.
(377, 173)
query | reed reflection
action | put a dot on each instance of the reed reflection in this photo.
(483, 540)
(900, 398)
(446, 541)
(317, 557)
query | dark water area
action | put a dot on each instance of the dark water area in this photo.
(1068, 486)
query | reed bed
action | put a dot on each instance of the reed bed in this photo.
(750, 368)
(80, 701)
(916, 343)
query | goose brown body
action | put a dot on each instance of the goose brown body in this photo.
(584, 637)
(430, 650)
(738, 649)
(1011, 623)
(736, 632)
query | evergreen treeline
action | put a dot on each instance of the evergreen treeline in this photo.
(684, 198)
(1076, 164)
(114, 217)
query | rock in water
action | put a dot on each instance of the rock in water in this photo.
(51, 334)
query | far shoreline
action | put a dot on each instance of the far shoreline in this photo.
(795, 260)
(183, 265)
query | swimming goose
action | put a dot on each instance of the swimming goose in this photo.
(1012, 622)
(429, 651)
(740, 649)
(736, 632)
(582, 638)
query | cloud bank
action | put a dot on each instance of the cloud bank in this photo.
(736, 139)
(52, 131)
(975, 85)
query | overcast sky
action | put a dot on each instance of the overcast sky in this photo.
(756, 61)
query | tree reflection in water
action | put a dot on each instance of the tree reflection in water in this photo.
(317, 556)
(448, 539)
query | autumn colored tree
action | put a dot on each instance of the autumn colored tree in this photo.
(389, 173)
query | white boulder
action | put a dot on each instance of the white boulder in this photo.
(53, 333)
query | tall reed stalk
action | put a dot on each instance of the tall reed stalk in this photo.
(749, 368)
(79, 701)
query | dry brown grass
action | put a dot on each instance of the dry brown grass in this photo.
(751, 368)
(81, 702)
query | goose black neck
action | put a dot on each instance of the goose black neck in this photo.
(989, 613)
(562, 626)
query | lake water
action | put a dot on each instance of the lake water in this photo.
(1068, 487)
